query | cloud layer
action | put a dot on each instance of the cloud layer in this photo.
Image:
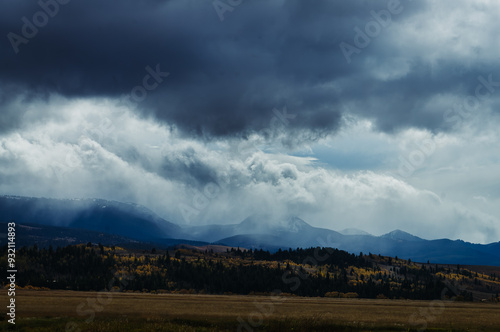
(226, 76)
(377, 115)
(84, 154)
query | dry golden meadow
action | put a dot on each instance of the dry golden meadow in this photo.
(73, 311)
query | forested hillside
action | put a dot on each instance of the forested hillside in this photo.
(302, 272)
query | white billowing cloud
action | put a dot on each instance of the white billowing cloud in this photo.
(459, 30)
(94, 148)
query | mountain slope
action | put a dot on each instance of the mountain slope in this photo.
(43, 236)
(258, 231)
(399, 235)
(292, 231)
(129, 220)
(353, 231)
(396, 243)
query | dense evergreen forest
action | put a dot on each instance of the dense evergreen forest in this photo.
(302, 272)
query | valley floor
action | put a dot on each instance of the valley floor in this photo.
(103, 311)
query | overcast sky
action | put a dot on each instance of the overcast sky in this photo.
(376, 115)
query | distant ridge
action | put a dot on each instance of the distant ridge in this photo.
(124, 219)
(400, 235)
(259, 231)
(353, 231)
(44, 236)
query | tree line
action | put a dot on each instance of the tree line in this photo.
(302, 272)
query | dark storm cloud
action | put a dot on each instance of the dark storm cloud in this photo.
(224, 77)
(186, 168)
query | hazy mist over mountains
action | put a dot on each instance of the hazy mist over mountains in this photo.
(131, 224)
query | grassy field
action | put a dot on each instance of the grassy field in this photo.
(91, 311)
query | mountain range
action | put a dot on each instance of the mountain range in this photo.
(68, 221)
